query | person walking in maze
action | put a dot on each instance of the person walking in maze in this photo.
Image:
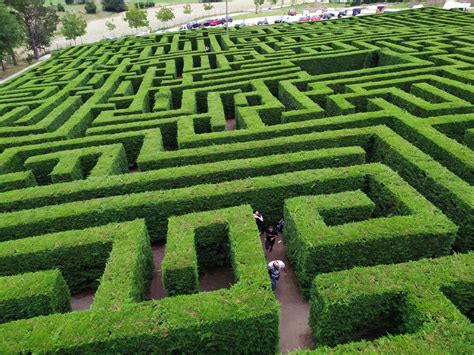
(259, 220)
(280, 225)
(270, 236)
(274, 270)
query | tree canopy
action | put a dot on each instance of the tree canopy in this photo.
(165, 14)
(74, 25)
(11, 33)
(39, 22)
(114, 5)
(136, 18)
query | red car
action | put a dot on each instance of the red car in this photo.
(304, 19)
(315, 18)
(216, 22)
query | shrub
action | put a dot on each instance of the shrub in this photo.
(90, 7)
(114, 5)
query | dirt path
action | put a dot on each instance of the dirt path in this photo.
(294, 309)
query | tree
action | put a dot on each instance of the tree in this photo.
(207, 6)
(11, 34)
(114, 5)
(272, 2)
(187, 9)
(136, 18)
(90, 7)
(74, 25)
(111, 25)
(165, 14)
(39, 22)
(258, 3)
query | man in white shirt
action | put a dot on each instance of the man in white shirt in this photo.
(274, 269)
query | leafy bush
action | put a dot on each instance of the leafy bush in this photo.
(90, 7)
(114, 5)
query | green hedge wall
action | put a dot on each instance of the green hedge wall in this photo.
(409, 297)
(33, 294)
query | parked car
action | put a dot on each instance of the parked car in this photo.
(315, 18)
(327, 16)
(342, 14)
(262, 21)
(240, 25)
(304, 19)
(207, 22)
(223, 20)
(280, 19)
(193, 25)
(216, 22)
(356, 11)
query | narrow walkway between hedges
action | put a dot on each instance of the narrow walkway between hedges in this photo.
(294, 309)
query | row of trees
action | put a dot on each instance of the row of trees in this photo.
(136, 18)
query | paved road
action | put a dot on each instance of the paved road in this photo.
(96, 30)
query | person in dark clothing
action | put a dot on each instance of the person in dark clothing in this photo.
(270, 236)
(259, 220)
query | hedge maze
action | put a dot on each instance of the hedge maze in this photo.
(358, 131)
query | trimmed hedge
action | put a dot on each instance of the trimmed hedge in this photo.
(332, 232)
(82, 256)
(202, 240)
(33, 294)
(409, 299)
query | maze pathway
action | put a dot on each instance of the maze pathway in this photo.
(360, 132)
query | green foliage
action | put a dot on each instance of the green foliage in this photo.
(90, 7)
(11, 32)
(110, 25)
(164, 14)
(74, 25)
(415, 297)
(358, 131)
(207, 6)
(136, 18)
(187, 9)
(38, 20)
(114, 5)
(33, 294)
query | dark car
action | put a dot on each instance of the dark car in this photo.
(280, 19)
(224, 21)
(342, 14)
(262, 21)
(193, 25)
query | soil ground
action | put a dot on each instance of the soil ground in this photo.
(294, 309)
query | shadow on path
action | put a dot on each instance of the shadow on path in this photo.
(294, 309)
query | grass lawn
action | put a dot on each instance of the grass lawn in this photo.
(10, 70)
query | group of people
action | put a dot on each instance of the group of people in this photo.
(275, 267)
